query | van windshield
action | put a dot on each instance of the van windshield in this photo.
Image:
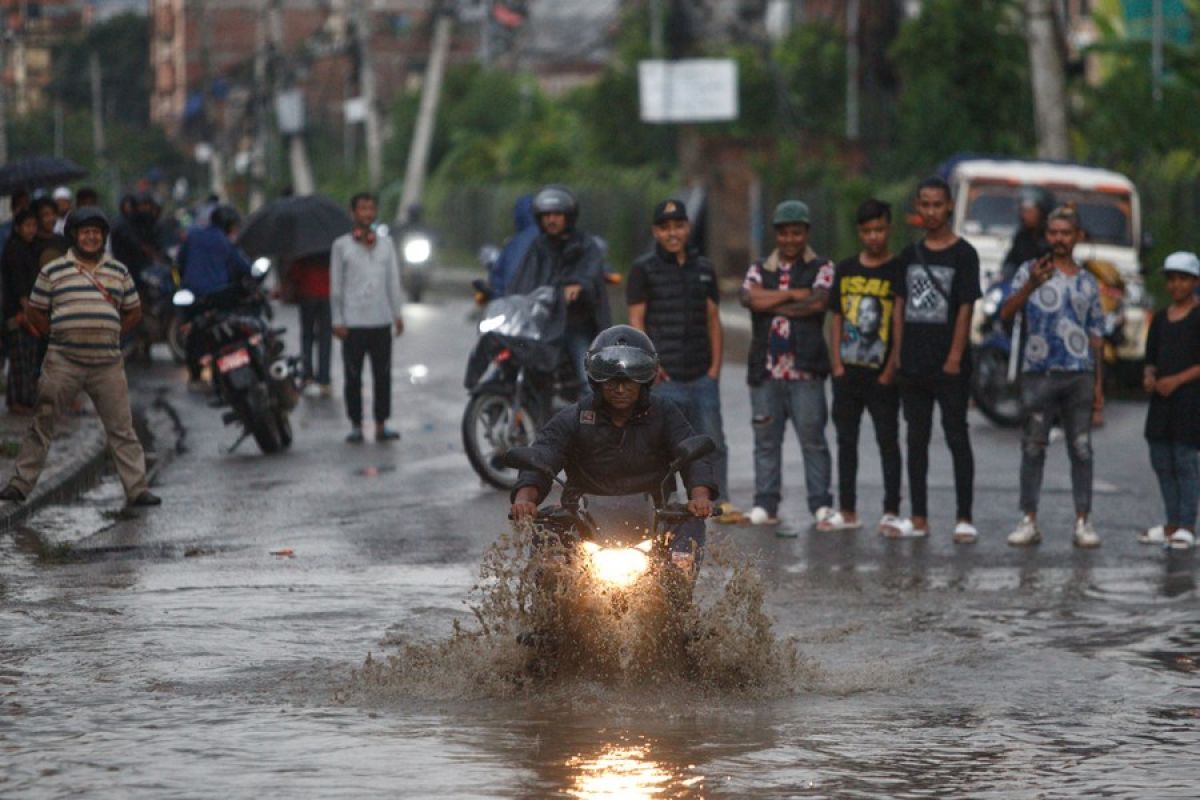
(992, 210)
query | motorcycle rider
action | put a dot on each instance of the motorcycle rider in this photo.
(620, 440)
(1029, 242)
(210, 263)
(135, 241)
(570, 260)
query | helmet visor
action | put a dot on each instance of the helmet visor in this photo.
(621, 362)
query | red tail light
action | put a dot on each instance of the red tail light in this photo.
(503, 355)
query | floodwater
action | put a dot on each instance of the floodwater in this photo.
(175, 654)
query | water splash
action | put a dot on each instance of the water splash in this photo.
(544, 622)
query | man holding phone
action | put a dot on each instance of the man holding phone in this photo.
(1061, 371)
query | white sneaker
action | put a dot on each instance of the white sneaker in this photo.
(965, 533)
(1026, 533)
(1155, 535)
(759, 516)
(1182, 539)
(1085, 534)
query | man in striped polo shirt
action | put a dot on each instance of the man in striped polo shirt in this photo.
(83, 302)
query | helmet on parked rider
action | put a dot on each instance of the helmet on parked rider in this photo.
(84, 217)
(224, 217)
(556, 199)
(621, 353)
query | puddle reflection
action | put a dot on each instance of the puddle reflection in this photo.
(628, 771)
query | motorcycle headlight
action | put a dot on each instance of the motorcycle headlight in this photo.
(617, 566)
(417, 249)
(183, 298)
(992, 301)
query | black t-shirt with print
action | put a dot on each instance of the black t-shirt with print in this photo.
(866, 298)
(1171, 348)
(933, 291)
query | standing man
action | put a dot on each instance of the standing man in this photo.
(672, 295)
(364, 302)
(787, 295)
(866, 330)
(50, 245)
(83, 302)
(570, 260)
(310, 276)
(62, 206)
(1061, 375)
(939, 290)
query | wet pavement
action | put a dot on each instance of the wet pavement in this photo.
(214, 647)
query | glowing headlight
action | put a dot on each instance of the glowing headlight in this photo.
(417, 250)
(619, 566)
(491, 323)
(992, 301)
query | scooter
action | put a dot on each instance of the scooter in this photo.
(250, 373)
(416, 262)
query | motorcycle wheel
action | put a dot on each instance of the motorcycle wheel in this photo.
(284, 424)
(177, 341)
(488, 431)
(264, 426)
(997, 398)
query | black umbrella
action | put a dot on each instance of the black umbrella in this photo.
(294, 226)
(36, 172)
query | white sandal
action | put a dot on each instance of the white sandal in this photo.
(1182, 539)
(965, 533)
(837, 522)
(901, 528)
(1155, 535)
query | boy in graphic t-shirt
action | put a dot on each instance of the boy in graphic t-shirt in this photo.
(864, 356)
(939, 288)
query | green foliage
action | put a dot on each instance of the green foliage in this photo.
(964, 73)
(122, 44)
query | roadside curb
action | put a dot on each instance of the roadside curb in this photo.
(86, 464)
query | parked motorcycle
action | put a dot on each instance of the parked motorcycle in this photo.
(156, 287)
(250, 373)
(996, 375)
(517, 380)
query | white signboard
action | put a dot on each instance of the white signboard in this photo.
(356, 110)
(289, 111)
(692, 90)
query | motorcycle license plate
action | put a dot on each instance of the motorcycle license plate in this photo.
(231, 361)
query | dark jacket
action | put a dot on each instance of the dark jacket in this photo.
(807, 333)
(559, 262)
(604, 460)
(676, 298)
(525, 231)
(1026, 246)
(210, 262)
(19, 269)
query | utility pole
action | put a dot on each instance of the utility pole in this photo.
(3, 98)
(852, 57)
(656, 29)
(1049, 80)
(98, 141)
(431, 89)
(366, 88)
(1156, 50)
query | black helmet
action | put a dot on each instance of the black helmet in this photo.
(224, 217)
(86, 216)
(622, 352)
(555, 199)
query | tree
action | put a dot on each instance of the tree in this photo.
(123, 46)
(964, 83)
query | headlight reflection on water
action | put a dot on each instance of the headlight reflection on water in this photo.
(626, 772)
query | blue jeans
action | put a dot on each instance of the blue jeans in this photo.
(700, 402)
(773, 403)
(1177, 466)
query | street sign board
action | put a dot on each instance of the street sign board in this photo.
(691, 90)
(1176, 20)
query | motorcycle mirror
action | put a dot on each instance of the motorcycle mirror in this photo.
(260, 267)
(183, 298)
(692, 449)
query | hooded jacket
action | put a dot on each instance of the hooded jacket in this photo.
(525, 231)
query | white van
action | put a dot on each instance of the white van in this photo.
(987, 196)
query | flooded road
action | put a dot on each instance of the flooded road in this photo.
(174, 655)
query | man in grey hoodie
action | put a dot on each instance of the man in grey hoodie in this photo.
(364, 298)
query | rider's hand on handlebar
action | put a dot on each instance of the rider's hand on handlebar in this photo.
(571, 292)
(524, 505)
(700, 503)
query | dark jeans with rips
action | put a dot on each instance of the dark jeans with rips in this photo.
(1066, 397)
(854, 393)
(316, 331)
(359, 344)
(918, 395)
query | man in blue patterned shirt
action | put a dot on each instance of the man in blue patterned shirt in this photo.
(1061, 372)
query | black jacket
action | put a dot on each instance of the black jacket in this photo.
(556, 261)
(807, 333)
(604, 460)
(676, 298)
